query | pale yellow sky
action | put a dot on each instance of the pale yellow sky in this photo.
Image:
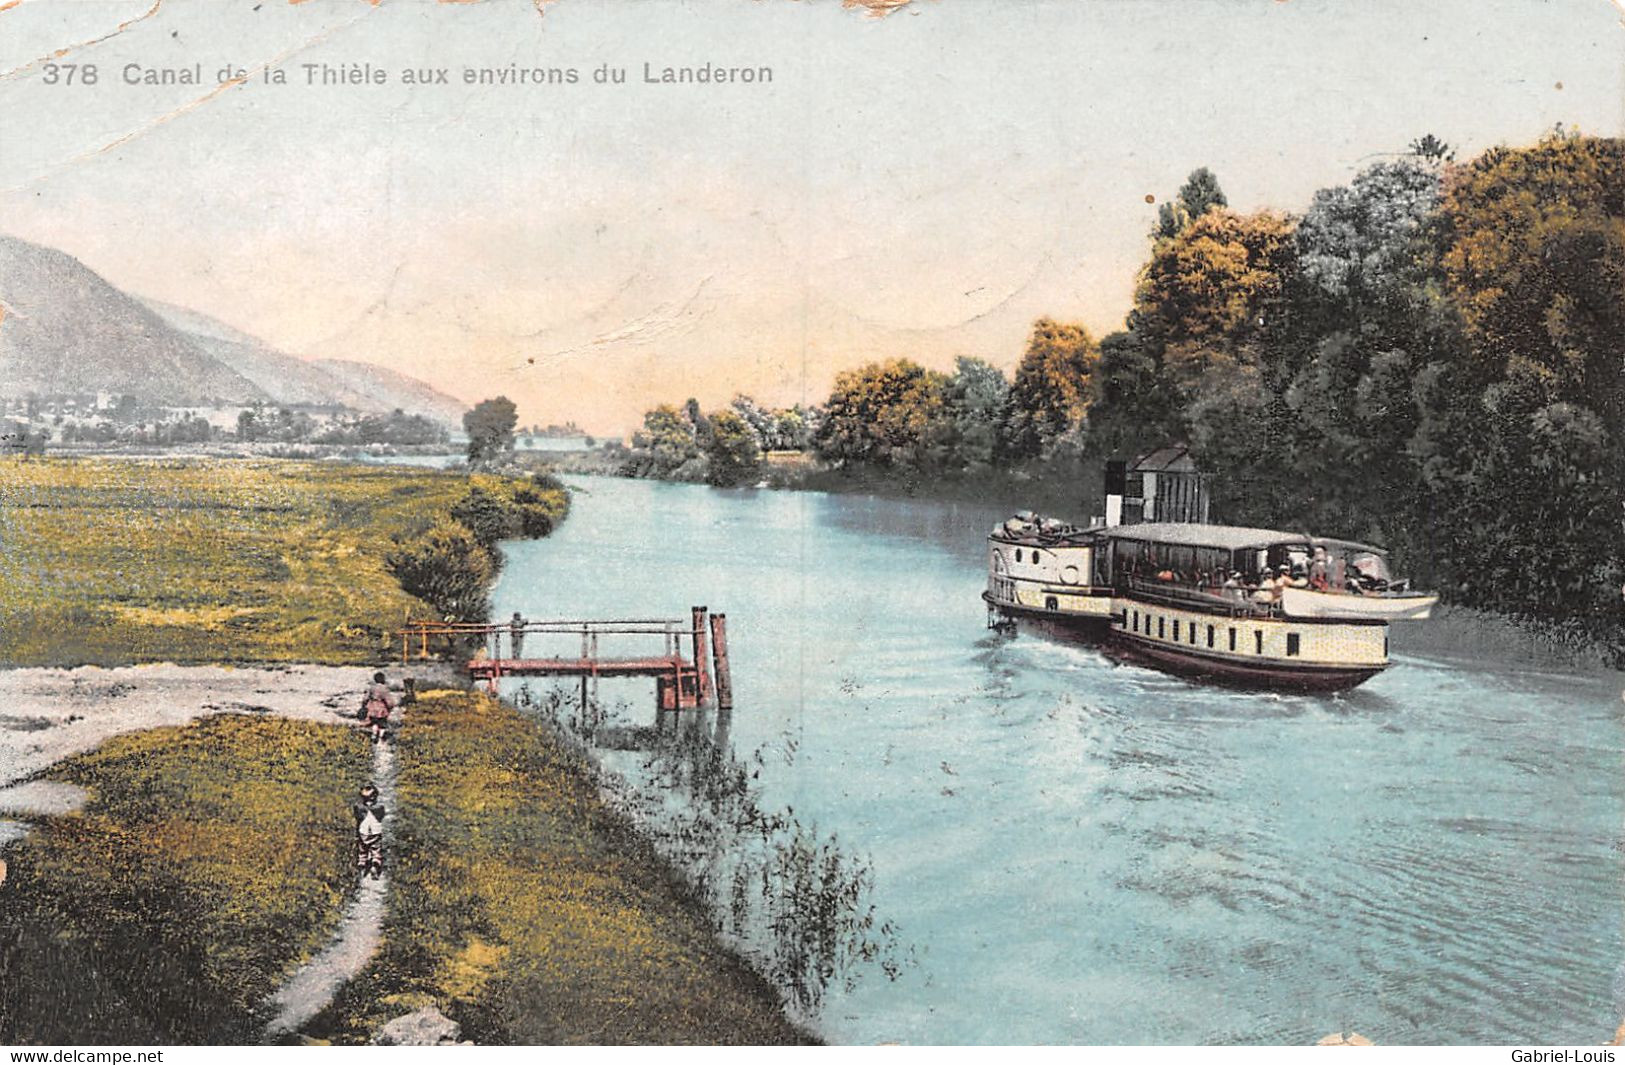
(924, 185)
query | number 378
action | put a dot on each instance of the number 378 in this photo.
(70, 74)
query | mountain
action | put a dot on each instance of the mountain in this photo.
(394, 390)
(289, 379)
(284, 378)
(65, 331)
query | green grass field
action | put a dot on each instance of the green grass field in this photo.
(209, 860)
(529, 912)
(112, 562)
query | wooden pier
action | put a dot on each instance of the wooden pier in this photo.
(681, 682)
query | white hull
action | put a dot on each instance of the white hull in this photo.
(1307, 603)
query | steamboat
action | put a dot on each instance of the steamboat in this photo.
(1261, 608)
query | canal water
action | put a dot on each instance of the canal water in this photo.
(1079, 851)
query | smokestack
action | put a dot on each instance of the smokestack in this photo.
(1116, 485)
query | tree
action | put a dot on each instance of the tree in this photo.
(1533, 255)
(1199, 193)
(1207, 294)
(447, 568)
(1133, 406)
(1051, 392)
(977, 394)
(1431, 149)
(664, 445)
(490, 427)
(885, 414)
(733, 451)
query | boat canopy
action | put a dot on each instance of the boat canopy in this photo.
(1224, 537)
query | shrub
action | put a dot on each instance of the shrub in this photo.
(447, 568)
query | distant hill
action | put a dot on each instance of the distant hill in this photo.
(394, 390)
(285, 378)
(66, 331)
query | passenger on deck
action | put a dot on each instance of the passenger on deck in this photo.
(1232, 587)
(1318, 576)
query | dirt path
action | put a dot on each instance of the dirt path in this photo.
(47, 715)
(359, 934)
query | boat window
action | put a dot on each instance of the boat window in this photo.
(1176, 629)
(1136, 621)
(1162, 628)
(1051, 603)
(1232, 637)
(1193, 632)
(1210, 635)
(1035, 556)
(1258, 641)
(1291, 643)
(1018, 554)
(1385, 647)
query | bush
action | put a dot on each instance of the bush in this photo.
(449, 569)
(488, 517)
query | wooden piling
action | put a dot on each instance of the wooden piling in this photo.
(702, 671)
(719, 652)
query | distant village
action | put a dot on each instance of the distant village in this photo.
(34, 424)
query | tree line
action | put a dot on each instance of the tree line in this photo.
(1431, 357)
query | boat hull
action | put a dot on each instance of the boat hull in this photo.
(1088, 627)
(1263, 676)
(1258, 674)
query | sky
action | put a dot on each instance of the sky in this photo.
(925, 184)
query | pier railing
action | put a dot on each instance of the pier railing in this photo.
(615, 647)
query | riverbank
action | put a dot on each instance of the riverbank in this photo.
(144, 848)
(208, 859)
(530, 913)
(117, 561)
(1455, 629)
(188, 848)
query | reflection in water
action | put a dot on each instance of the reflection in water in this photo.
(1084, 851)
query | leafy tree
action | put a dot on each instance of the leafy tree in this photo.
(885, 414)
(487, 516)
(490, 427)
(1199, 193)
(664, 445)
(1208, 293)
(1431, 149)
(976, 395)
(1133, 407)
(734, 453)
(1052, 390)
(696, 418)
(1533, 256)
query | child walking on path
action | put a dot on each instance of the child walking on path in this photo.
(369, 832)
(375, 708)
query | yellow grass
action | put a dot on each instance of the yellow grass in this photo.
(110, 562)
(209, 860)
(529, 913)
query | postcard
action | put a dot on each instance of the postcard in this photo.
(927, 522)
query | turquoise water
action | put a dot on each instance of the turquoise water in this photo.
(1082, 851)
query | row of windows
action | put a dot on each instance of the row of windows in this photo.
(1035, 554)
(1293, 644)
